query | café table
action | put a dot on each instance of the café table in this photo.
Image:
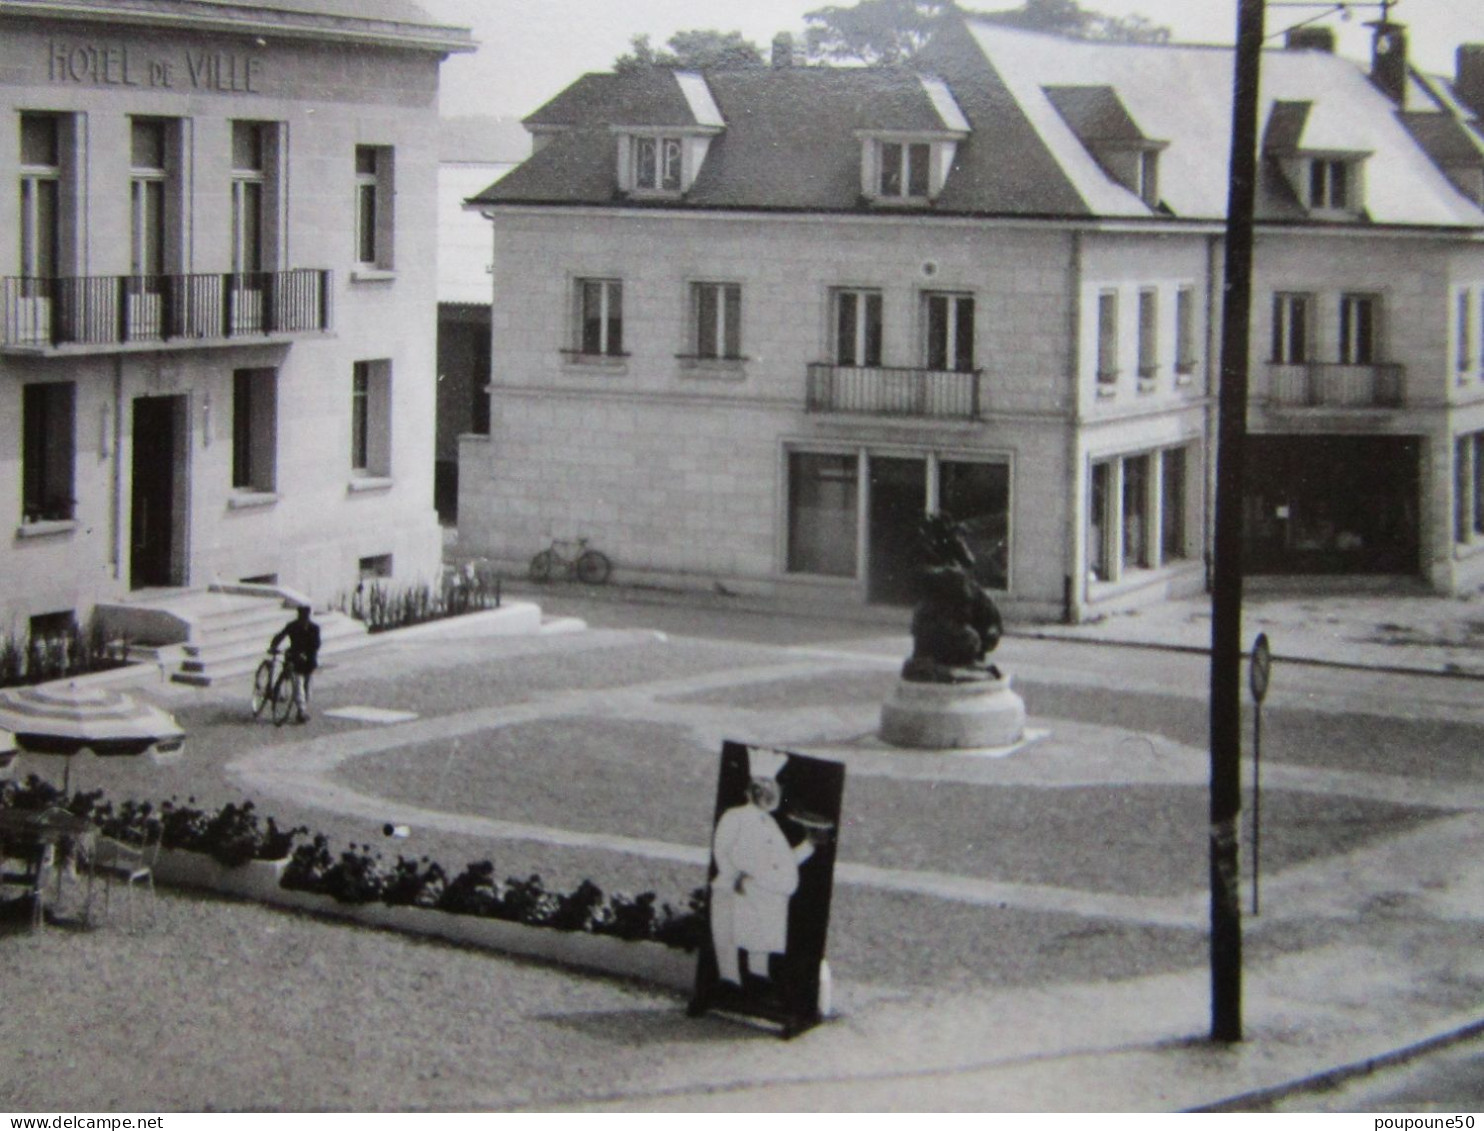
(40, 838)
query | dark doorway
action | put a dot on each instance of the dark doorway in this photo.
(898, 503)
(1332, 504)
(157, 510)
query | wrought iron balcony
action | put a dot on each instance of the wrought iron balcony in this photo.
(120, 310)
(878, 390)
(1332, 385)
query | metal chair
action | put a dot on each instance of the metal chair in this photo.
(133, 865)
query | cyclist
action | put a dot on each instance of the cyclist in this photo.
(302, 654)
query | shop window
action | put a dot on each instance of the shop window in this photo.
(823, 491)
(717, 313)
(600, 318)
(47, 451)
(373, 206)
(374, 567)
(1135, 512)
(950, 332)
(370, 419)
(1099, 525)
(1172, 504)
(254, 430)
(978, 496)
(858, 334)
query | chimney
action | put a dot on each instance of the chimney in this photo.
(1470, 84)
(1389, 59)
(783, 51)
(1311, 38)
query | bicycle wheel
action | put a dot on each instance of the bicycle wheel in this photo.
(284, 696)
(262, 687)
(593, 568)
(542, 565)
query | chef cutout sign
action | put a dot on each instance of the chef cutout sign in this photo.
(772, 871)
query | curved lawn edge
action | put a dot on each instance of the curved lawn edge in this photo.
(258, 880)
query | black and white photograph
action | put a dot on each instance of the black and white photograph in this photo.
(483, 476)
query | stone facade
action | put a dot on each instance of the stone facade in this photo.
(269, 492)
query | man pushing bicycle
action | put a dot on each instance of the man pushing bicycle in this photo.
(301, 656)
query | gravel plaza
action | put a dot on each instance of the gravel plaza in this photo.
(993, 915)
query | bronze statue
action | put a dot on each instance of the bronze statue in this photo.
(956, 624)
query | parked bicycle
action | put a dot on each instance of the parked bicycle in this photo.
(275, 682)
(589, 566)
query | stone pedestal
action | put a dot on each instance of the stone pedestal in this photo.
(953, 716)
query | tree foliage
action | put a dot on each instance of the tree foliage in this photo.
(700, 49)
(891, 32)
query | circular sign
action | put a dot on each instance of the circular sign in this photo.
(1261, 668)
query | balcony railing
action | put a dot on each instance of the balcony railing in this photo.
(886, 391)
(110, 310)
(1332, 385)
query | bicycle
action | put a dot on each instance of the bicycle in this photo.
(591, 567)
(274, 683)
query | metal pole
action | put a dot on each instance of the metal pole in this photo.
(1256, 803)
(1226, 610)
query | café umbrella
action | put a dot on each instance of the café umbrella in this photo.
(66, 719)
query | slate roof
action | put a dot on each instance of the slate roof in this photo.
(792, 136)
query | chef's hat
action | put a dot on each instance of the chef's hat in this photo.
(765, 763)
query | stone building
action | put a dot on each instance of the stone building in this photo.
(749, 325)
(217, 322)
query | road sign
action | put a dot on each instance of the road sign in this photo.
(1262, 667)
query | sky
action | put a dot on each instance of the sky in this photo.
(532, 49)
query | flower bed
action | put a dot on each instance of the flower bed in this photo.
(236, 852)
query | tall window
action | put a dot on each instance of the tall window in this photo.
(950, 332)
(373, 206)
(1136, 511)
(1463, 329)
(1148, 333)
(904, 168)
(1172, 504)
(822, 515)
(1290, 329)
(1329, 184)
(717, 310)
(249, 192)
(47, 449)
(1185, 331)
(1100, 521)
(370, 419)
(1478, 439)
(658, 163)
(857, 327)
(1464, 482)
(600, 317)
(1357, 329)
(147, 191)
(1108, 338)
(41, 175)
(254, 429)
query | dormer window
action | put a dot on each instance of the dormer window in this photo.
(905, 169)
(658, 163)
(1329, 184)
(1102, 123)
